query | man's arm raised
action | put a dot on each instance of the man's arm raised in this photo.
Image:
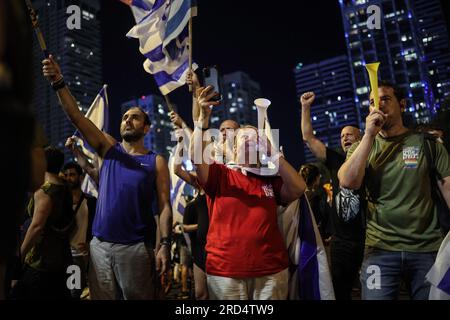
(91, 133)
(352, 172)
(204, 100)
(315, 145)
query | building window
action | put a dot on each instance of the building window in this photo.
(362, 90)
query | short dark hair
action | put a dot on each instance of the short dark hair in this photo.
(399, 93)
(55, 159)
(73, 165)
(309, 172)
(146, 117)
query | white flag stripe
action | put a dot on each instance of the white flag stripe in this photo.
(169, 70)
(440, 268)
(98, 114)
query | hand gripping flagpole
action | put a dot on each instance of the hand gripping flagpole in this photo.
(35, 24)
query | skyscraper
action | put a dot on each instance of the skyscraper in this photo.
(79, 54)
(434, 35)
(334, 106)
(159, 137)
(411, 45)
(238, 91)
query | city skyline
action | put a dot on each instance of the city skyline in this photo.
(264, 42)
(412, 47)
(334, 105)
(79, 55)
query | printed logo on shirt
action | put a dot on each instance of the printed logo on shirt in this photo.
(347, 204)
(411, 157)
(268, 190)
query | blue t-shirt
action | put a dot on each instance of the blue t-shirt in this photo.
(127, 189)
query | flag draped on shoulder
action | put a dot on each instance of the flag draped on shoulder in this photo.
(161, 28)
(439, 275)
(311, 277)
(98, 113)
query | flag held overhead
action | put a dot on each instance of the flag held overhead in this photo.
(163, 38)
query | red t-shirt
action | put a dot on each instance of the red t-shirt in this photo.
(243, 238)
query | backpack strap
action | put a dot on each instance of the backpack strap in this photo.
(430, 155)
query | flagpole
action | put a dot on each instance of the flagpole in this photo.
(190, 48)
(169, 104)
(35, 24)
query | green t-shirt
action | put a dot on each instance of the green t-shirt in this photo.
(52, 253)
(401, 212)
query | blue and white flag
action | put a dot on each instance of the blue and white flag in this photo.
(163, 39)
(439, 275)
(311, 277)
(140, 8)
(98, 113)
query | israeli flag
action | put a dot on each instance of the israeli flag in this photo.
(163, 39)
(439, 275)
(311, 277)
(177, 185)
(98, 113)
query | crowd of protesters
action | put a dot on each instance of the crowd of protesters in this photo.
(382, 211)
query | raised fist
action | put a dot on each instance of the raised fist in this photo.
(307, 99)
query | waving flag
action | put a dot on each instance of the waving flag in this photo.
(163, 39)
(439, 275)
(176, 192)
(311, 278)
(177, 185)
(98, 114)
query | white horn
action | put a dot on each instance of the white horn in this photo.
(262, 105)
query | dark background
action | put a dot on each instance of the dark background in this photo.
(265, 39)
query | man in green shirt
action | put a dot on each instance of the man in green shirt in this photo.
(403, 232)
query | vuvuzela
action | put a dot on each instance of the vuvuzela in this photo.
(261, 106)
(372, 69)
(263, 122)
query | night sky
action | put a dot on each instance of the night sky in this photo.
(265, 39)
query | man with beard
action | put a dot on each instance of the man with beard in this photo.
(347, 219)
(122, 261)
(403, 232)
(84, 208)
